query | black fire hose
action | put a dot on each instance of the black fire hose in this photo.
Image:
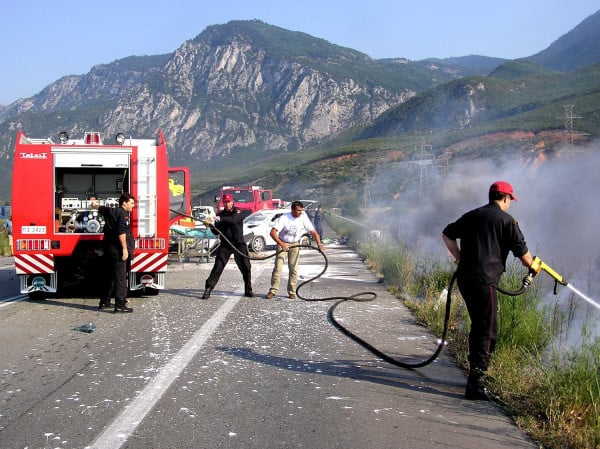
(360, 297)
(370, 296)
(442, 340)
(526, 283)
(378, 353)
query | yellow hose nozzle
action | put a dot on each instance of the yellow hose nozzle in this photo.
(537, 265)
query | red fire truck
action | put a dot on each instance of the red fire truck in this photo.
(248, 199)
(56, 233)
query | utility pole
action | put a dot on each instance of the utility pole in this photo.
(367, 193)
(424, 160)
(569, 121)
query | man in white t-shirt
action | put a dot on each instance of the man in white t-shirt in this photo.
(287, 232)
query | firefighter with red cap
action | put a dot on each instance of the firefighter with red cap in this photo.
(229, 224)
(487, 234)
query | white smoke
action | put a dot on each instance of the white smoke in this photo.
(556, 210)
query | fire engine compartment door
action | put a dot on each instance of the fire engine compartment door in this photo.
(86, 159)
(146, 191)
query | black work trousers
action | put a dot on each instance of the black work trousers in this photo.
(482, 304)
(115, 275)
(222, 257)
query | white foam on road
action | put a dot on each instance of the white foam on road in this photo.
(123, 426)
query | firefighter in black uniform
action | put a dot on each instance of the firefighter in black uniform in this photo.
(230, 224)
(118, 245)
(486, 234)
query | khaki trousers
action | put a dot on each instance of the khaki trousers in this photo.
(292, 255)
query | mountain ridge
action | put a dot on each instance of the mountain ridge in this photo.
(250, 88)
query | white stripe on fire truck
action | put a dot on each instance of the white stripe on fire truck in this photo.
(149, 262)
(22, 267)
(34, 263)
(156, 267)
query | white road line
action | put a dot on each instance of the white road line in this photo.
(123, 426)
(8, 301)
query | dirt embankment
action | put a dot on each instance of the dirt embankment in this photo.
(521, 141)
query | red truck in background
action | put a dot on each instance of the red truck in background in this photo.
(57, 236)
(248, 199)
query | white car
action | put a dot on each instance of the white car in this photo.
(201, 213)
(257, 229)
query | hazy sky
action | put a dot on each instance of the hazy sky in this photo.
(42, 41)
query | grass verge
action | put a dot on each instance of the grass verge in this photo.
(551, 389)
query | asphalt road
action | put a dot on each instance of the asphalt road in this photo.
(233, 372)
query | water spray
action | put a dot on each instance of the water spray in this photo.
(537, 265)
(358, 223)
(584, 297)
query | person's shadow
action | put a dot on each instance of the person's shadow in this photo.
(407, 379)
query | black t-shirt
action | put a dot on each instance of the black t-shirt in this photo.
(486, 234)
(231, 225)
(116, 222)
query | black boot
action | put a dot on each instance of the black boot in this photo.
(206, 293)
(476, 390)
(105, 303)
(248, 284)
(121, 306)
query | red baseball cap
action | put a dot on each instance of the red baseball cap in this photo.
(227, 197)
(503, 187)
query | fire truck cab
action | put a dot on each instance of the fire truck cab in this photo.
(248, 199)
(57, 236)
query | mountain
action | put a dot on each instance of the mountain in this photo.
(240, 91)
(518, 95)
(251, 94)
(578, 48)
(244, 86)
(471, 65)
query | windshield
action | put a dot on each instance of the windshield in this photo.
(200, 212)
(254, 218)
(240, 196)
(262, 216)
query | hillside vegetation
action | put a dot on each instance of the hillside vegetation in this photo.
(521, 107)
(248, 102)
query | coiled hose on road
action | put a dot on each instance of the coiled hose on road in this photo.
(370, 296)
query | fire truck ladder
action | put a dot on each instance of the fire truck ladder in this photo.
(146, 200)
